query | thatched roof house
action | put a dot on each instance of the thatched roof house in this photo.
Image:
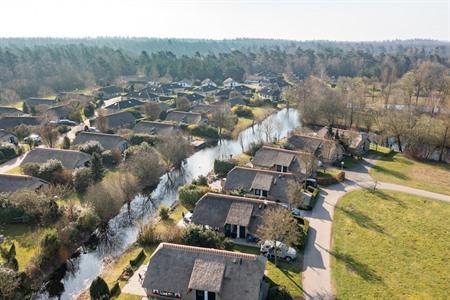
(259, 183)
(11, 122)
(70, 159)
(156, 128)
(233, 215)
(283, 160)
(108, 141)
(185, 117)
(12, 183)
(186, 272)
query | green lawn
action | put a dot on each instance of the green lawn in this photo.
(396, 168)
(286, 274)
(390, 245)
(26, 239)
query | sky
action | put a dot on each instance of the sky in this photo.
(341, 20)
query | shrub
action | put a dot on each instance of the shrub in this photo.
(137, 139)
(288, 146)
(205, 131)
(108, 159)
(253, 147)
(199, 236)
(190, 194)
(115, 290)
(164, 212)
(222, 167)
(63, 129)
(91, 147)
(243, 111)
(75, 116)
(340, 176)
(170, 234)
(147, 235)
(31, 169)
(7, 150)
(97, 169)
(32, 207)
(99, 289)
(2, 157)
(135, 261)
(49, 247)
(50, 169)
(201, 180)
(66, 143)
(278, 293)
(89, 110)
(87, 221)
(81, 179)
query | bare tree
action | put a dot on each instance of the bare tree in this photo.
(174, 150)
(295, 194)
(223, 118)
(278, 225)
(152, 110)
(49, 135)
(100, 121)
(145, 165)
(183, 103)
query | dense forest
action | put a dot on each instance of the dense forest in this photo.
(40, 67)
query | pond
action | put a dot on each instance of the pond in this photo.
(124, 227)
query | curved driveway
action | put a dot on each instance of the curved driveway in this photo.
(316, 261)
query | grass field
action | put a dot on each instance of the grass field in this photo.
(26, 239)
(396, 168)
(286, 274)
(390, 245)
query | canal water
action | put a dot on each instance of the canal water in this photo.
(124, 228)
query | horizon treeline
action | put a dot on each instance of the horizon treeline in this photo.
(41, 67)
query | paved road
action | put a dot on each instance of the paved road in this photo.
(11, 164)
(316, 262)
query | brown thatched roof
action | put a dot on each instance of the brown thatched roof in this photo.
(239, 214)
(108, 141)
(156, 128)
(70, 159)
(176, 268)
(305, 143)
(13, 183)
(184, 117)
(215, 210)
(207, 276)
(246, 179)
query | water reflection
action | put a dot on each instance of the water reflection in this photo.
(123, 230)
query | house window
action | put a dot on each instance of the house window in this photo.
(285, 169)
(257, 192)
(279, 168)
(205, 295)
(264, 193)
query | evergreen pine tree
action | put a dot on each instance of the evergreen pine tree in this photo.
(97, 168)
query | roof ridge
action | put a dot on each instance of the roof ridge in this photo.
(285, 150)
(56, 149)
(185, 112)
(264, 171)
(308, 136)
(229, 197)
(99, 133)
(208, 251)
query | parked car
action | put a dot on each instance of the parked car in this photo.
(187, 218)
(311, 182)
(67, 122)
(33, 138)
(287, 253)
(295, 211)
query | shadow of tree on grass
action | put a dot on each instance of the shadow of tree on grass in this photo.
(361, 219)
(361, 269)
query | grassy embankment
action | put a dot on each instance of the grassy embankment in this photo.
(394, 167)
(259, 114)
